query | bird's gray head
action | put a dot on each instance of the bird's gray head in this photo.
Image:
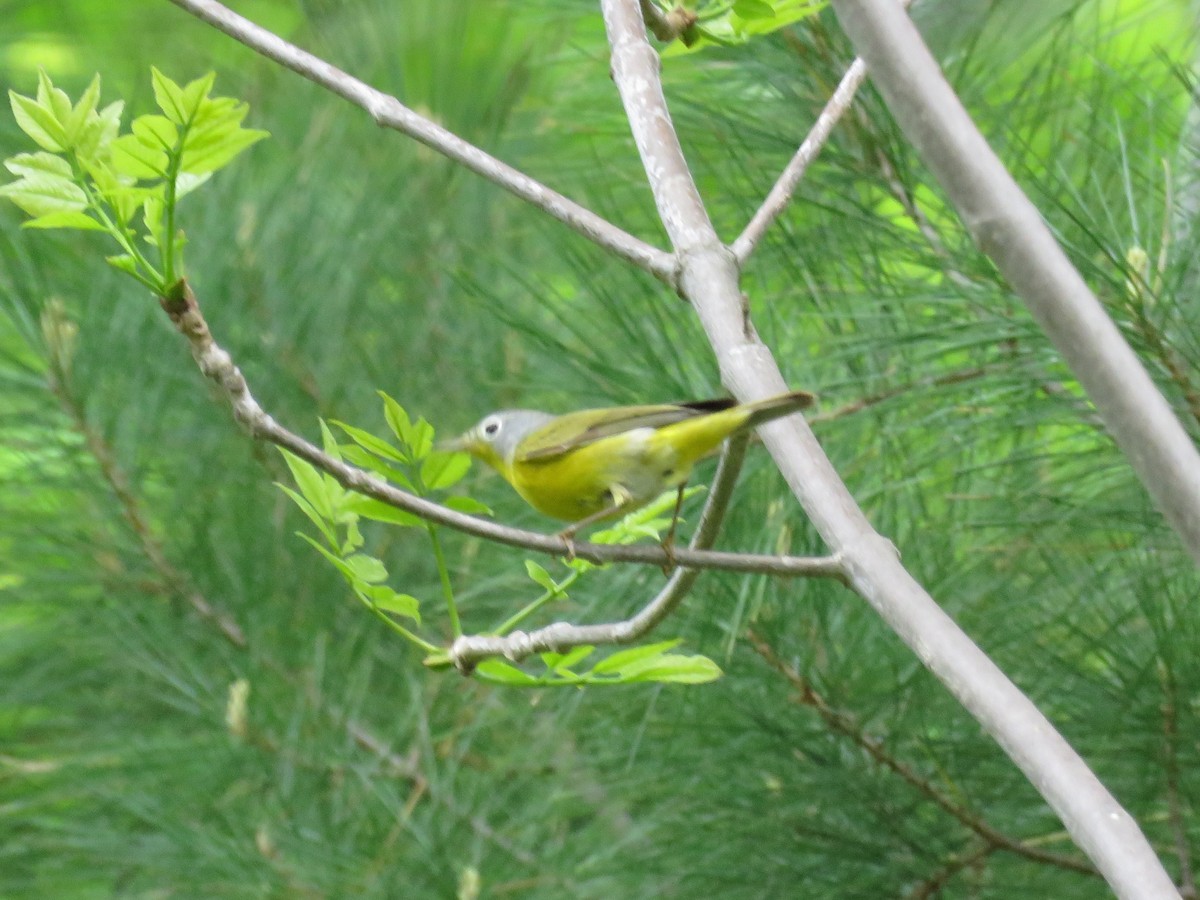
(495, 438)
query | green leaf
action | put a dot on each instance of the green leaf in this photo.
(77, 220)
(371, 443)
(540, 576)
(130, 156)
(468, 505)
(422, 439)
(39, 163)
(326, 528)
(201, 157)
(378, 511)
(366, 568)
(156, 132)
(625, 658)
(561, 662)
(397, 420)
(499, 671)
(383, 597)
(196, 92)
(674, 668)
(186, 182)
(83, 110)
(53, 99)
(98, 132)
(124, 262)
(314, 488)
(328, 444)
(754, 9)
(169, 97)
(361, 458)
(39, 123)
(42, 193)
(441, 470)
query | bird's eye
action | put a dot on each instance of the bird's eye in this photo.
(491, 427)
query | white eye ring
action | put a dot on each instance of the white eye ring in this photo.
(490, 426)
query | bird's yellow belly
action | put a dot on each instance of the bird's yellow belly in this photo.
(632, 467)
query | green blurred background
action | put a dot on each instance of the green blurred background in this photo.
(336, 259)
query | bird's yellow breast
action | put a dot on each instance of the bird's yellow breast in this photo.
(633, 467)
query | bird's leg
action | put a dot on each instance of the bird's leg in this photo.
(621, 499)
(668, 543)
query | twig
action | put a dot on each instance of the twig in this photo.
(932, 886)
(841, 723)
(218, 366)
(173, 580)
(781, 194)
(390, 112)
(1009, 228)
(1176, 816)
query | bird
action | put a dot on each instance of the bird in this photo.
(591, 465)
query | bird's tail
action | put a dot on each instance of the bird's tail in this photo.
(774, 407)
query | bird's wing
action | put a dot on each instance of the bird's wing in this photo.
(578, 429)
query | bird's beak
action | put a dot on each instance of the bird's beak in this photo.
(460, 444)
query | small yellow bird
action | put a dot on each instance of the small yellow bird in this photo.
(595, 464)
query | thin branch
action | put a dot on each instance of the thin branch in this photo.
(841, 723)
(1176, 815)
(218, 366)
(781, 194)
(390, 112)
(932, 886)
(173, 580)
(466, 652)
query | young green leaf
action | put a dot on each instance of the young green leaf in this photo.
(540, 576)
(468, 505)
(497, 670)
(383, 597)
(371, 443)
(131, 156)
(42, 193)
(378, 511)
(78, 220)
(440, 470)
(367, 569)
(311, 484)
(397, 420)
(169, 97)
(315, 517)
(625, 658)
(674, 668)
(38, 122)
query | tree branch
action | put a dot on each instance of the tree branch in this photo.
(390, 112)
(1009, 228)
(708, 279)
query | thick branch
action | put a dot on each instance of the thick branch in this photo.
(390, 112)
(1009, 228)
(709, 281)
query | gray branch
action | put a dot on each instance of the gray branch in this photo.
(1009, 229)
(390, 112)
(709, 281)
